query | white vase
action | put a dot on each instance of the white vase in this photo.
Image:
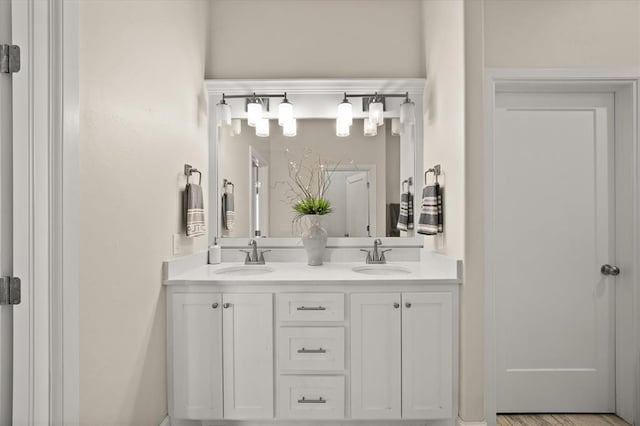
(314, 239)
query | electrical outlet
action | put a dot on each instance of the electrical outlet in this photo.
(176, 245)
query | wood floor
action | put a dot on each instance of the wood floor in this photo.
(560, 419)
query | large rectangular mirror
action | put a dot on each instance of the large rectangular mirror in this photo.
(260, 172)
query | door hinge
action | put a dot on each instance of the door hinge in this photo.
(9, 58)
(9, 291)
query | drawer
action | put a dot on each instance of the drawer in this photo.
(311, 397)
(311, 348)
(311, 306)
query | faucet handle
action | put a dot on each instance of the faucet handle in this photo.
(262, 255)
(382, 257)
(369, 259)
(247, 259)
(252, 242)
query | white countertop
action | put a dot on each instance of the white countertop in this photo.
(435, 269)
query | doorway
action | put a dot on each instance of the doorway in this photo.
(560, 226)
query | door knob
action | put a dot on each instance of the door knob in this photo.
(214, 305)
(226, 305)
(610, 270)
(408, 304)
(396, 305)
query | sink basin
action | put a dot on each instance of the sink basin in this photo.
(244, 270)
(382, 270)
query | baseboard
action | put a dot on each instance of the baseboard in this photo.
(461, 422)
(166, 421)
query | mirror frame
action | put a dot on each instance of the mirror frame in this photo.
(316, 87)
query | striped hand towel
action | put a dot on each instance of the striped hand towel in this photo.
(195, 211)
(405, 220)
(228, 210)
(431, 214)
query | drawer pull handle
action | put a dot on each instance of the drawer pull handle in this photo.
(311, 308)
(312, 401)
(312, 351)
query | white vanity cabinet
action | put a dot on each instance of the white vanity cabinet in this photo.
(313, 353)
(211, 333)
(401, 355)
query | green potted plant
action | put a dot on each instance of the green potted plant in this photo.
(310, 184)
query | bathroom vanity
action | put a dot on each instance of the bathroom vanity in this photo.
(336, 344)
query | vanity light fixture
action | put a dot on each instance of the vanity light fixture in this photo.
(370, 128)
(262, 128)
(345, 111)
(285, 112)
(408, 112)
(290, 128)
(342, 128)
(375, 105)
(254, 111)
(376, 111)
(223, 112)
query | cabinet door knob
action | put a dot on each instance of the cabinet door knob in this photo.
(396, 305)
(214, 306)
(226, 305)
(408, 304)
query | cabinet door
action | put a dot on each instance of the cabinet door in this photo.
(375, 356)
(427, 352)
(248, 356)
(197, 356)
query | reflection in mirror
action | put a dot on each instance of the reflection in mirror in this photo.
(365, 172)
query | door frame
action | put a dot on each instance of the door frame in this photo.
(624, 83)
(46, 212)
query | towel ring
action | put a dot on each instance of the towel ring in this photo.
(436, 172)
(409, 183)
(189, 171)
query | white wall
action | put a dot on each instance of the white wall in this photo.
(143, 115)
(444, 115)
(315, 39)
(562, 33)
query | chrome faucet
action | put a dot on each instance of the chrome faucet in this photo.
(378, 256)
(253, 257)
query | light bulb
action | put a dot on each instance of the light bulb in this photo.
(285, 112)
(345, 112)
(236, 127)
(342, 128)
(290, 128)
(370, 128)
(376, 113)
(396, 127)
(262, 128)
(254, 113)
(408, 112)
(224, 113)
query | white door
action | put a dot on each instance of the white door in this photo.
(248, 356)
(6, 224)
(358, 205)
(197, 356)
(552, 232)
(375, 356)
(427, 355)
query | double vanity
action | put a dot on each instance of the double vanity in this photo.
(336, 344)
(363, 339)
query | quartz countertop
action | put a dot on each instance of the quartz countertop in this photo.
(436, 269)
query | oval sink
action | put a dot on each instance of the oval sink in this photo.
(244, 270)
(382, 270)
